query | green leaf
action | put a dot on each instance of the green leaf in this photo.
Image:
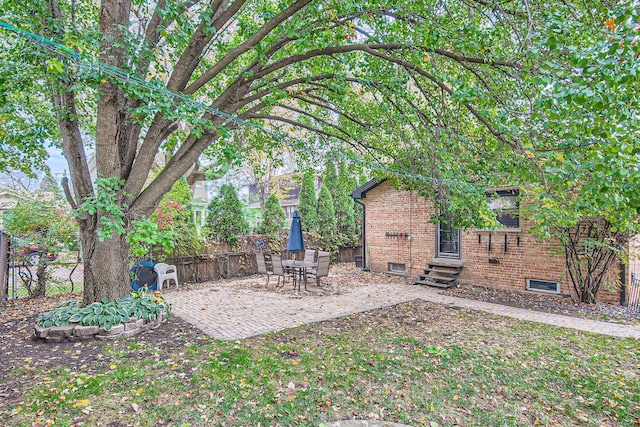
(86, 319)
(54, 66)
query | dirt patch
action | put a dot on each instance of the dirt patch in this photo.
(558, 304)
(20, 349)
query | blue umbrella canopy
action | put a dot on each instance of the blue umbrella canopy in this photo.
(296, 241)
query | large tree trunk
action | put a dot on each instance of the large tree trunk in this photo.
(106, 268)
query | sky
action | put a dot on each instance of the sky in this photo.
(56, 162)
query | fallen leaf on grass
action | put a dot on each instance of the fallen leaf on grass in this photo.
(81, 403)
(135, 407)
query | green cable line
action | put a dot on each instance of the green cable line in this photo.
(118, 74)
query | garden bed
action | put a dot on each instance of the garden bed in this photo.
(75, 332)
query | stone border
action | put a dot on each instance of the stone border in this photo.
(74, 332)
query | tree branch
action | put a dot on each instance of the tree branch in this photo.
(409, 66)
(247, 45)
(316, 118)
(64, 102)
(462, 59)
(356, 146)
(319, 102)
(67, 193)
(190, 57)
(259, 95)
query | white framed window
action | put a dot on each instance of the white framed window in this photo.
(396, 268)
(543, 286)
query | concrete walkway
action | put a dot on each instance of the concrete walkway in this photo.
(227, 312)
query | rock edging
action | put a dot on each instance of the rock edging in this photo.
(75, 332)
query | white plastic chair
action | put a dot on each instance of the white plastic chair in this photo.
(166, 272)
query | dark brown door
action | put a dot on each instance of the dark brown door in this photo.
(448, 241)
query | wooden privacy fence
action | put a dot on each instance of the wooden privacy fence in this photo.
(349, 253)
(203, 268)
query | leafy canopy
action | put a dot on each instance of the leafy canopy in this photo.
(447, 97)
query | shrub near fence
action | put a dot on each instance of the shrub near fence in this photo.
(260, 243)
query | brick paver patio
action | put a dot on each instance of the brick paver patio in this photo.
(225, 311)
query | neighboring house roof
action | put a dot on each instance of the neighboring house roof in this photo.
(289, 189)
(361, 192)
(8, 200)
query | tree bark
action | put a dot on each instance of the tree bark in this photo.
(41, 271)
(106, 267)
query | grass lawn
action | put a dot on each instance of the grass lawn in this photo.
(416, 363)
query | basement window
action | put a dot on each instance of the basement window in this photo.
(396, 268)
(543, 286)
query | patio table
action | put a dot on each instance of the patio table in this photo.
(299, 267)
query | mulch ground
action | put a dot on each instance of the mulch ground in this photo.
(19, 348)
(558, 304)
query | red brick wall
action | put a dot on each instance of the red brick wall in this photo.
(389, 212)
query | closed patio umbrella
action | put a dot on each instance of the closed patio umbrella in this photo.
(296, 241)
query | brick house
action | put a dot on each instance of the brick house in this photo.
(399, 239)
